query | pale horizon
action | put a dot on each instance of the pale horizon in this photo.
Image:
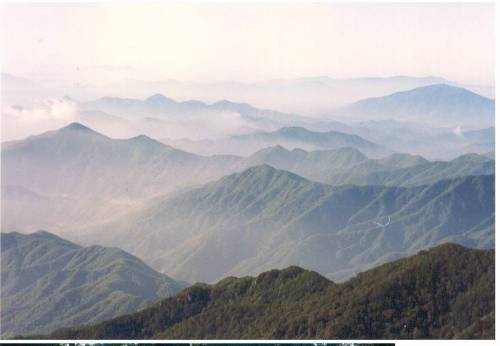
(247, 43)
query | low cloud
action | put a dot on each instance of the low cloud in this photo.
(19, 122)
(458, 131)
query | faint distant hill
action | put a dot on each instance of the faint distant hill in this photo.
(439, 104)
(349, 166)
(435, 143)
(288, 137)
(163, 108)
(315, 95)
(49, 282)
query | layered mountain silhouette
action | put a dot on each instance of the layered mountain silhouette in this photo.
(266, 218)
(75, 177)
(163, 108)
(78, 161)
(443, 293)
(349, 166)
(86, 177)
(49, 282)
(288, 137)
(323, 213)
(437, 143)
(438, 104)
(313, 95)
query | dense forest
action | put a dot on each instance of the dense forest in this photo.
(442, 293)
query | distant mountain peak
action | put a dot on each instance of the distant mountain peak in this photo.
(403, 160)
(350, 151)
(76, 129)
(273, 149)
(264, 172)
(260, 168)
(440, 88)
(438, 105)
(470, 157)
(223, 102)
(158, 99)
(143, 138)
(293, 130)
(226, 104)
(46, 234)
(148, 141)
(75, 126)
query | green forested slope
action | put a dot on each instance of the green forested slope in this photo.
(443, 293)
(349, 166)
(48, 282)
(264, 218)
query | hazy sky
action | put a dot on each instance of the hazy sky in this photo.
(248, 42)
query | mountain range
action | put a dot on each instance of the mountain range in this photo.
(49, 282)
(315, 95)
(265, 218)
(162, 108)
(288, 137)
(77, 177)
(320, 188)
(78, 161)
(443, 293)
(349, 166)
(431, 120)
(435, 143)
(312, 96)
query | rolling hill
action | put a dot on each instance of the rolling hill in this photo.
(443, 293)
(49, 282)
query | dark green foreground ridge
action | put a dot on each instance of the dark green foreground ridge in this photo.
(446, 292)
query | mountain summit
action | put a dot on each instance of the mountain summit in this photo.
(159, 99)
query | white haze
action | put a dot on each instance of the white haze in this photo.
(247, 41)
(19, 122)
(54, 113)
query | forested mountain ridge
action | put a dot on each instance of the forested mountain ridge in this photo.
(446, 292)
(49, 282)
(349, 166)
(264, 218)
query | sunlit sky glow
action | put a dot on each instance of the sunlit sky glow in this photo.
(249, 42)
